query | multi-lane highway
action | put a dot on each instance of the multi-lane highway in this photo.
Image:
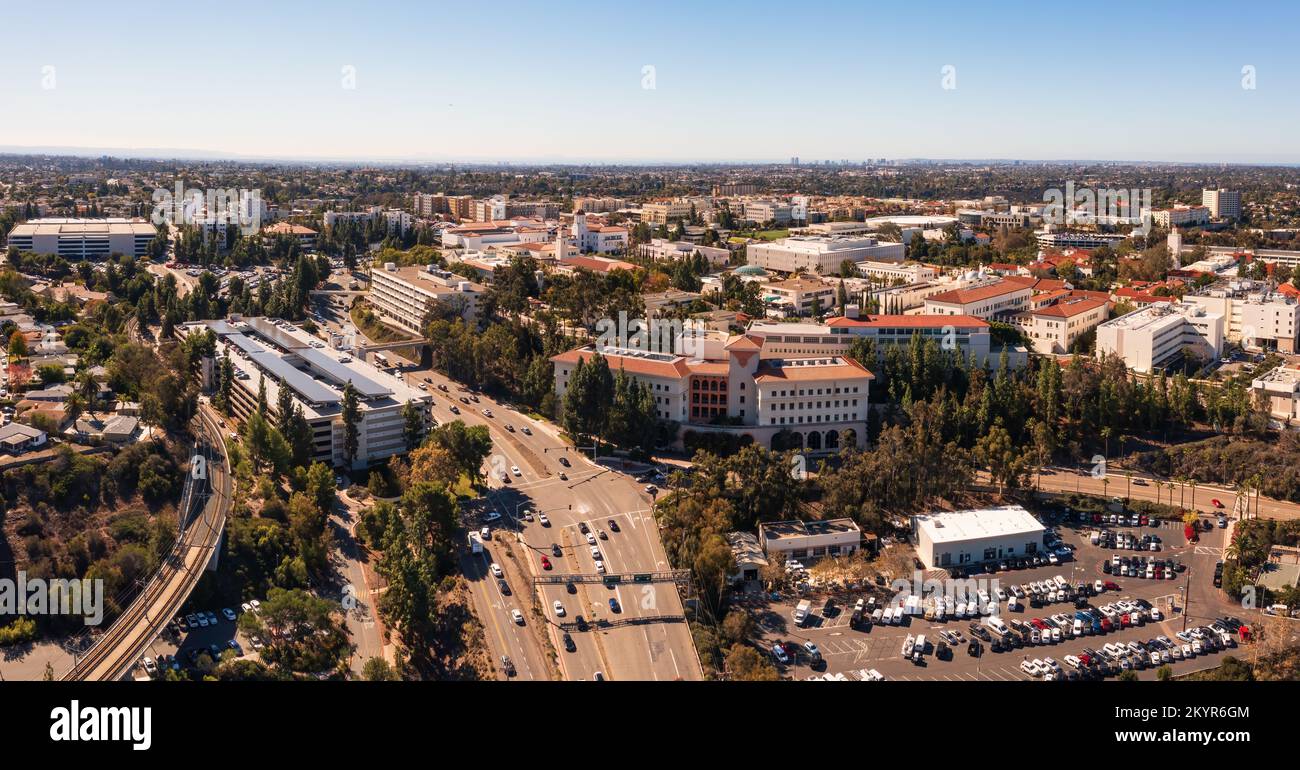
(121, 646)
(1143, 487)
(592, 494)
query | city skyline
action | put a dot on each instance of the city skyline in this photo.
(577, 83)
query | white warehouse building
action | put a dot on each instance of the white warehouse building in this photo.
(958, 538)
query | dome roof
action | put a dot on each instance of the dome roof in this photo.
(750, 270)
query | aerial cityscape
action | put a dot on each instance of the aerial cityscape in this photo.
(411, 357)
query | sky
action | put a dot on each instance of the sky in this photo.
(666, 81)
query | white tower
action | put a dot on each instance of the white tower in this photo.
(561, 242)
(580, 229)
(1175, 243)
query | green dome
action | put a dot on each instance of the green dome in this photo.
(750, 270)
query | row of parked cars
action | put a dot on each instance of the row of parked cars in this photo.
(1143, 567)
(1004, 635)
(1126, 541)
(1114, 657)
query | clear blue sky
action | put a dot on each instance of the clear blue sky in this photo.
(751, 80)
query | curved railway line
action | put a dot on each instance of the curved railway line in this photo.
(114, 653)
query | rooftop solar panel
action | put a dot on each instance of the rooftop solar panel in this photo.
(342, 373)
(298, 380)
(275, 334)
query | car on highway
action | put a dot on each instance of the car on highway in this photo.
(570, 587)
(1223, 522)
(650, 489)
(564, 476)
(569, 646)
(613, 605)
(595, 552)
(517, 617)
(564, 461)
(514, 470)
(613, 525)
(546, 563)
(503, 586)
(600, 566)
(507, 667)
(558, 606)
(510, 428)
(485, 533)
(541, 518)
(524, 430)
(487, 413)
(496, 569)
(454, 409)
(601, 534)
(423, 386)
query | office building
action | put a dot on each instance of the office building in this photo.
(1254, 315)
(403, 296)
(77, 239)
(808, 541)
(1154, 337)
(659, 249)
(820, 254)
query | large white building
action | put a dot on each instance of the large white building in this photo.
(809, 540)
(813, 403)
(1223, 204)
(1151, 338)
(278, 354)
(1255, 316)
(959, 538)
(600, 239)
(820, 254)
(403, 295)
(660, 249)
(76, 239)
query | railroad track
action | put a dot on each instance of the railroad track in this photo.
(118, 649)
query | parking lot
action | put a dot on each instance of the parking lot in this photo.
(849, 651)
(183, 640)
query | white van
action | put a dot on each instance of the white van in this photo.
(995, 623)
(920, 644)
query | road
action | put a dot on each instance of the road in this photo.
(591, 494)
(357, 594)
(1117, 485)
(117, 651)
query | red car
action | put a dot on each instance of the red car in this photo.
(1085, 658)
(1111, 585)
(546, 563)
(1106, 626)
(1215, 502)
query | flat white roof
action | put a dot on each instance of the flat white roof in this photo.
(977, 524)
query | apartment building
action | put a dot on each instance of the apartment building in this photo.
(1152, 338)
(660, 249)
(429, 205)
(1222, 203)
(276, 354)
(1053, 327)
(663, 212)
(598, 205)
(1256, 316)
(820, 254)
(396, 222)
(403, 296)
(818, 404)
(765, 211)
(1181, 216)
(1001, 297)
(76, 239)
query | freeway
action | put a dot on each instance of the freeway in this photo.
(592, 494)
(121, 646)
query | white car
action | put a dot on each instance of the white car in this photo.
(545, 522)
(595, 552)
(524, 430)
(487, 412)
(256, 605)
(559, 609)
(600, 566)
(591, 539)
(496, 570)
(514, 469)
(517, 616)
